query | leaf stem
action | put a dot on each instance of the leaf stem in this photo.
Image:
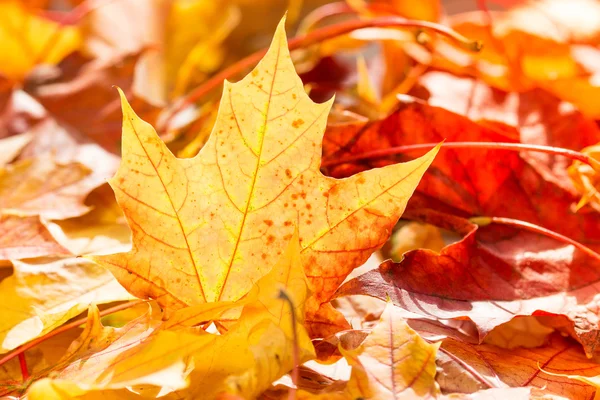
(391, 151)
(483, 221)
(319, 14)
(311, 38)
(23, 365)
(284, 296)
(24, 347)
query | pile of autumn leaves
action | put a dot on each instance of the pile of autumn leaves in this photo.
(243, 255)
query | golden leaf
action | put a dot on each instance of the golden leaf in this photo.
(207, 228)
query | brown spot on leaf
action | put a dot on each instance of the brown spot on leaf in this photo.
(288, 173)
(268, 222)
(297, 123)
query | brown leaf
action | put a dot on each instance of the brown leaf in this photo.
(80, 92)
(487, 277)
(521, 367)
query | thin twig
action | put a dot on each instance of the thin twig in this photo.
(391, 151)
(483, 221)
(284, 296)
(21, 349)
(23, 365)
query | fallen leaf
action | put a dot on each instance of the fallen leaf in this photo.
(244, 361)
(102, 230)
(529, 46)
(96, 347)
(393, 361)
(41, 295)
(413, 235)
(487, 277)
(324, 321)
(184, 41)
(254, 182)
(519, 332)
(79, 92)
(28, 39)
(585, 179)
(26, 237)
(468, 183)
(43, 187)
(521, 367)
(12, 146)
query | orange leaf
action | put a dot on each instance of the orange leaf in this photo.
(521, 366)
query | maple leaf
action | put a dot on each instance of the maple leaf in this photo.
(486, 277)
(521, 366)
(204, 229)
(42, 296)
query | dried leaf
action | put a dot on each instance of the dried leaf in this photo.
(392, 362)
(80, 92)
(43, 294)
(487, 278)
(26, 237)
(244, 361)
(521, 367)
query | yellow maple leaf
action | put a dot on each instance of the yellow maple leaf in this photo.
(27, 40)
(207, 228)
